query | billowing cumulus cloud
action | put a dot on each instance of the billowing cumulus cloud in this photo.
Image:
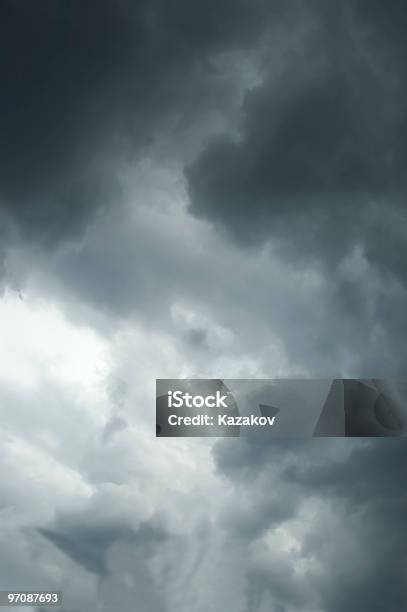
(321, 145)
(324, 522)
(317, 168)
(86, 86)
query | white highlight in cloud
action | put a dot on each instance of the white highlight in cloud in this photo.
(38, 341)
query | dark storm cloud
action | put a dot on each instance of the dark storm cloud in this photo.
(250, 456)
(116, 553)
(357, 535)
(318, 170)
(86, 84)
(370, 484)
(320, 164)
(89, 544)
(373, 473)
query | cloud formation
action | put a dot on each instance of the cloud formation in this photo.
(86, 87)
(323, 520)
(198, 189)
(319, 163)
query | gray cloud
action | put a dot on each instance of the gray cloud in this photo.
(310, 173)
(314, 150)
(87, 86)
(319, 165)
(317, 172)
(341, 501)
(89, 544)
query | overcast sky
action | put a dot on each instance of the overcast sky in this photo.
(203, 189)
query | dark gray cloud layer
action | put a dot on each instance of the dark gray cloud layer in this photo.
(89, 545)
(354, 541)
(318, 170)
(86, 85)
(320, 164)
